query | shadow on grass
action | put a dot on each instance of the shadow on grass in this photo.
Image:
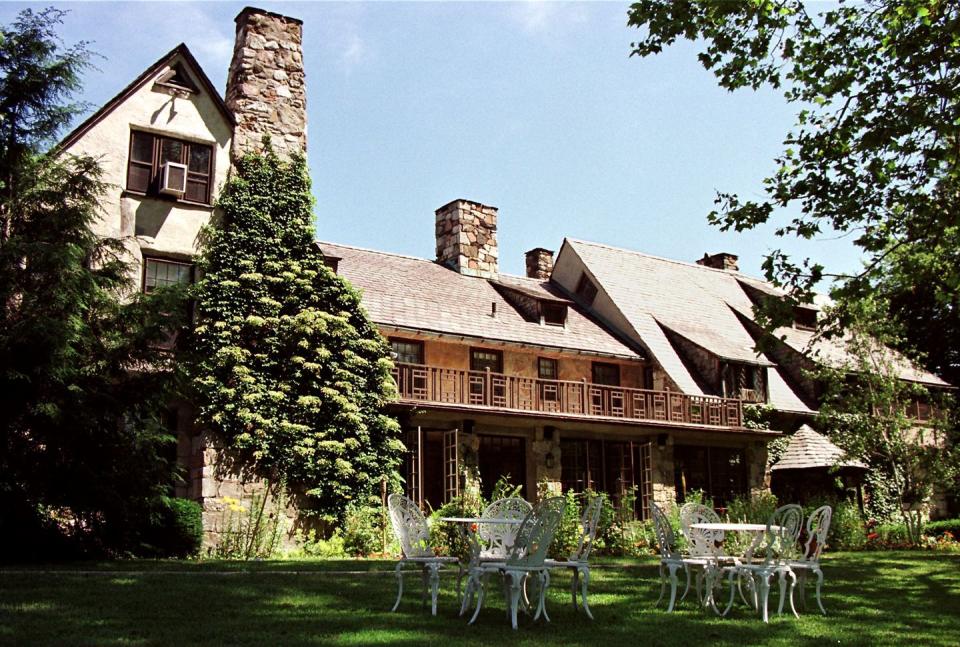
(872, 598)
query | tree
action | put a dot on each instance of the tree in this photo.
(866, 409)
(84, 452)
(875, 152)
(292, 377)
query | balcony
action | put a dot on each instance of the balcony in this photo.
(457, 388)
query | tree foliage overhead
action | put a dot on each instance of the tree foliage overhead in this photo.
(875, 151)
(83, 449)
(292, 376)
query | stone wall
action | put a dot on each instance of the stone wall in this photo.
(265, 86)
(539, 263)
(467, 238)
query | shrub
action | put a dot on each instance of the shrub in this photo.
(171, 527)
(309, 544)
(938, 528)
(847, 530)
(362, 530)
(568, 533)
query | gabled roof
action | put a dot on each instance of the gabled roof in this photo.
(148, 75)
(808, 449)
(416, 294)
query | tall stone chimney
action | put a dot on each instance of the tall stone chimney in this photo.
(539, 263)
(265, 84)
(467, 238)
(721, 261)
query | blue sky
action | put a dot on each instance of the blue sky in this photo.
(535, 108)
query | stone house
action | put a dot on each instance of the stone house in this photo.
(602, 368)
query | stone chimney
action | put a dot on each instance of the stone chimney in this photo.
(265, 84)
(539, 263)
(721, 261)
(467, 238)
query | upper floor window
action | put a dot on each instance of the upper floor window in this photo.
(148, 155)
(159, 273)
(554, 314)
(745, 382)
(607, 374)
(586, 290)
(482, 359)
(547, 368)
(406, 351)
(805, 318)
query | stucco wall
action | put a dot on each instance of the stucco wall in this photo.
(160, 225)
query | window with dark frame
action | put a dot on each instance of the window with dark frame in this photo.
(606, 374)
(547, 368)
(407, 351)
(554, 314)
(160, 273)
(586, 290)
(482, 359)
(148, 153)
(720, 472)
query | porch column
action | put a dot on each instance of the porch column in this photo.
(758, 477)
(546, 460)
(664, 490)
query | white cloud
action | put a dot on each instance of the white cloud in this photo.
(548, 17)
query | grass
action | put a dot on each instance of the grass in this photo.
(881, 598)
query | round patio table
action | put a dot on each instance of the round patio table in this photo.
(757, 529)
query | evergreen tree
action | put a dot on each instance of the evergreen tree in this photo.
(292, 376)
(83, 451)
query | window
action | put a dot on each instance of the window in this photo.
(804, 318)
(586, 290)
(606, 374)
(547, 368)
(581, 465)
(407, 351)
(148, 152)
(162, 274)
(482, 359)
(648, 377)
(720, 472)
(554, 314)
(745, 382)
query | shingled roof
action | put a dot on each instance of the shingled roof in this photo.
(808, 449)
(416, 294)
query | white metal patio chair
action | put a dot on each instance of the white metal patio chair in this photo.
(705, 551)
(671, 560)
(780, 539)
(578, 562)
(818, 526)
(411, 530)
(493, 540)
(525, 560)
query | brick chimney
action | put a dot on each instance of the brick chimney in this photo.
(539, 263)
(721, 261)
(265, 83)
(467, 238)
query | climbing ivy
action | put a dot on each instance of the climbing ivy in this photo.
(291, 375)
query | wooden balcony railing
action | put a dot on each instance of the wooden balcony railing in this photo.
(419, 383)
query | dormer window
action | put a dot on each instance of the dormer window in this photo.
(586, 290)
(175, 80)
(747, 382)
(553, 314)
(804, 318)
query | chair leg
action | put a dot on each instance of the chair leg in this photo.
(584, 585)
(819, 584)
(399, 574)
(663, 585)
(543, 578)
(686, 590)
(434, 586)
(481, 587)
(793, 584)
(674, 584)
(764, 593)
(733, 591)
(516, 581)
(783, 590)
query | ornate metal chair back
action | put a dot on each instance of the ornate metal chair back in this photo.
(409, 526)
(497, 538)
(818, 525)
(589, 521)
(783, 531)
(665, 538)
(536, 533)
(701, 542)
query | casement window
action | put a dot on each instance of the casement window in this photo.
(547, 368)
(586, 290)
(482, 359)
(606, 374)
(406, 351)
(158, 273)
(148, 155)
(745, 382)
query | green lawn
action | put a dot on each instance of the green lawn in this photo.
(872, 598)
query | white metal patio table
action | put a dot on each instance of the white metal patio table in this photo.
(756, 529)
